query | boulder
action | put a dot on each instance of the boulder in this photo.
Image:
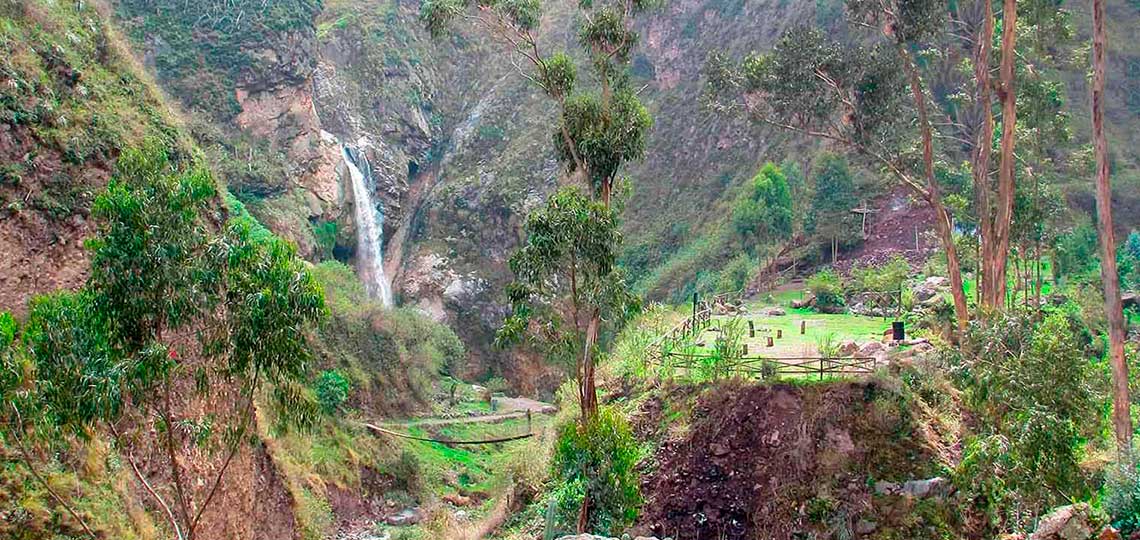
(1109, 533)
(775, 312)
(872, 349)
(806, 302)
(937, 282)
(848, 348)
(405, 518)
(865, 526)
(1073, 522)
(931, 487)
(457, 499)
(918, 489)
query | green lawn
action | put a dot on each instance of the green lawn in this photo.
(818, 327)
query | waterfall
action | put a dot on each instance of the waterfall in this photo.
(369, 228)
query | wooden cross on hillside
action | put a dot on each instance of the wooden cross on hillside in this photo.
(863, 212)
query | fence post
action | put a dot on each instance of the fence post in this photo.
(803, 327)
(821, 368)
(751, 329)
(779, 333)
(694, 318)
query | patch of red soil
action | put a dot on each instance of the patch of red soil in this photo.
(41, 251)
(759, 461)
(898, 226)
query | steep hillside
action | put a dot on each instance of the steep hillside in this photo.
(72, 100)
(71, 96)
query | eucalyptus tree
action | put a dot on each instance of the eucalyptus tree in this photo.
(1113, 305)
(173, 309)
(868, 100)
(830, 211)
(565, 274)
(599, 128)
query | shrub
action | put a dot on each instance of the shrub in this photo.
(1032, 390)
(597, 461)
(887, 277)
(332, 389)
(1122, 500)
(407, 472)
(325, 234)
(827, 288)
(726, 352)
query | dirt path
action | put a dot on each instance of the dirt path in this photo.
(511, 408)
(486, 418)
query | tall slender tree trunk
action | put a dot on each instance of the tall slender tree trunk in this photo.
(996, 273)
(587, 386)
(942, 219)
(1121, 419)
(983, 148)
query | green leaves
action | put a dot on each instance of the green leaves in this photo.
(598, 460)
(146, 267)
(557, 75)
(77, 376)
(605, 134)
(437, 15)
(332, 389)
(1033, 391)
(270, 299)
(570, 250)
(764, 212)
(907, 21)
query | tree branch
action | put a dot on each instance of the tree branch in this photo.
(27, 456)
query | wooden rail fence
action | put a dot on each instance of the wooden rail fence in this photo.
(668, 350)
(762, 367)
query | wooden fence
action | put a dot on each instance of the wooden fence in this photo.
(668, 350)
(761, 367)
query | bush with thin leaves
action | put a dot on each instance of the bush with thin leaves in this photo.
(332, 389)
(828, 290)
(1122, 499)
(595, 464)
(1034, 393)
(161, 271)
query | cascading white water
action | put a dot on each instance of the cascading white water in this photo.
(369, 228)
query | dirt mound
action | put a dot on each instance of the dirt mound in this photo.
(892, 230)
(771, 461)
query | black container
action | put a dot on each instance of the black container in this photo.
(899, 329)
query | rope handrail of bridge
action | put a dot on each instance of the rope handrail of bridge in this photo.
(379, 429)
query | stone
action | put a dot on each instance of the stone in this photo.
(865, 526)
(882, 487)
(594, 537)
(918, 489)
(457, 499)
(872, 349)
(848, 348)
(775, 312)
(931, 487)
(1073, 522)
(937, 282)
(405, 518)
